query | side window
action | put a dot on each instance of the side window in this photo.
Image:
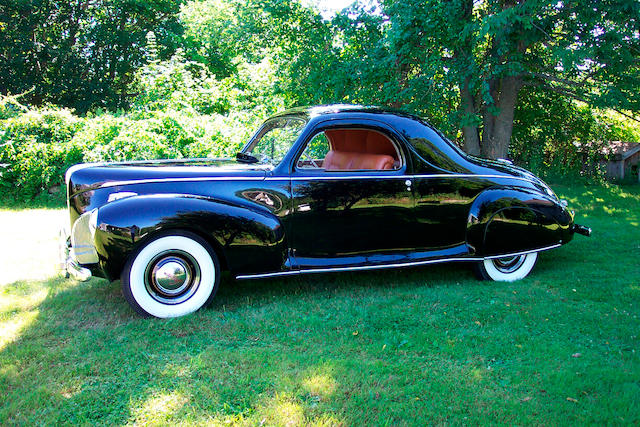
(276, 140)
(350, 150)
(314, 153)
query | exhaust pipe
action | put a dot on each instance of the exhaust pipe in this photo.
(581, 229)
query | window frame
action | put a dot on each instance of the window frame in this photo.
(369, 125)
(264, 128)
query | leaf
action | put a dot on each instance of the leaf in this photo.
(571, 399)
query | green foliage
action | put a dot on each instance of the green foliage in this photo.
(181, 85)
(177, 84)
(36, 151)
(38, 146)
(81, 54)
(550, 130)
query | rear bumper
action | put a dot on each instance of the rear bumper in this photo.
(581, 229)
(67, 265)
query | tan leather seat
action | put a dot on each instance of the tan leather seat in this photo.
(361, 141)
(359, 149)
(346, 160)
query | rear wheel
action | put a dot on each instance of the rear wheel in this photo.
(506, 269)
(172, 275)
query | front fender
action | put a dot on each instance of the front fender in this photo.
(246, 240)
(510, 220)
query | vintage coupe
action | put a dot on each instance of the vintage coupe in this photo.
(319, 189)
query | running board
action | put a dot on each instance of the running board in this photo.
(382, 266)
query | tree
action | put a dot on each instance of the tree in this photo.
(489, 50)
(80, 54)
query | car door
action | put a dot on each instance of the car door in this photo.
(349, 216)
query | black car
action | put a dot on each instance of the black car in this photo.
(318, 189)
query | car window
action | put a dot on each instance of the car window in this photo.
(350, 150)
(275, 140)
(313, 155)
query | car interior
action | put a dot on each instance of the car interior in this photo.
(350, 149)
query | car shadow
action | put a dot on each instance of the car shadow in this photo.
(233, 292)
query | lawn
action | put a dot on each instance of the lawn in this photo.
(425, 345)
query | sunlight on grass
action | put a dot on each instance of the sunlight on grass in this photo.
(10, 329)
(18, 309)
(322, 386)
(477, 374)
(159, 409)
(19, 297)
(30, 243)
(283, 411)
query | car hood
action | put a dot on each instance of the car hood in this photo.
(90, 176)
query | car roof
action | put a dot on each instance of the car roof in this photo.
(310, 112)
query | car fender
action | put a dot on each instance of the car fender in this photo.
(510, 220)
(245, 239)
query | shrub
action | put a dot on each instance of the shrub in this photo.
(39, 145)
(35, 150)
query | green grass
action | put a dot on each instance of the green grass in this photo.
(414, 346)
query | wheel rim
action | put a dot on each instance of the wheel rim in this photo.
(172, 277)
(509, 264)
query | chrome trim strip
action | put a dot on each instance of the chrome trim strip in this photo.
(362, 267)
(383, 266)
(265, 275)
(301, 178)
(184, 179)
(460, 175)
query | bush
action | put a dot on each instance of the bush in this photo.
(38, 146)
(181, 110)
(35, 150)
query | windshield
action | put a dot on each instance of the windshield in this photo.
(274, 140)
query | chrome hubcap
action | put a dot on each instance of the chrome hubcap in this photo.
(172, 277)
(509, 264)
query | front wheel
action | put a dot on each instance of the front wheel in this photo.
(506, 269)
(171, 276)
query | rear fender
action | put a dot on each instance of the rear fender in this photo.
(245, 240)
(503, 221)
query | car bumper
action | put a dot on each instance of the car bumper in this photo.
(67, 265)
(581, 229)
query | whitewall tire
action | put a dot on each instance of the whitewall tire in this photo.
(506, 269)
(171, 276)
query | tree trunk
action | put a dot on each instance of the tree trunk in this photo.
(497, 130)
(470, 132)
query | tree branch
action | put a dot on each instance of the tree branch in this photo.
(577, 97)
